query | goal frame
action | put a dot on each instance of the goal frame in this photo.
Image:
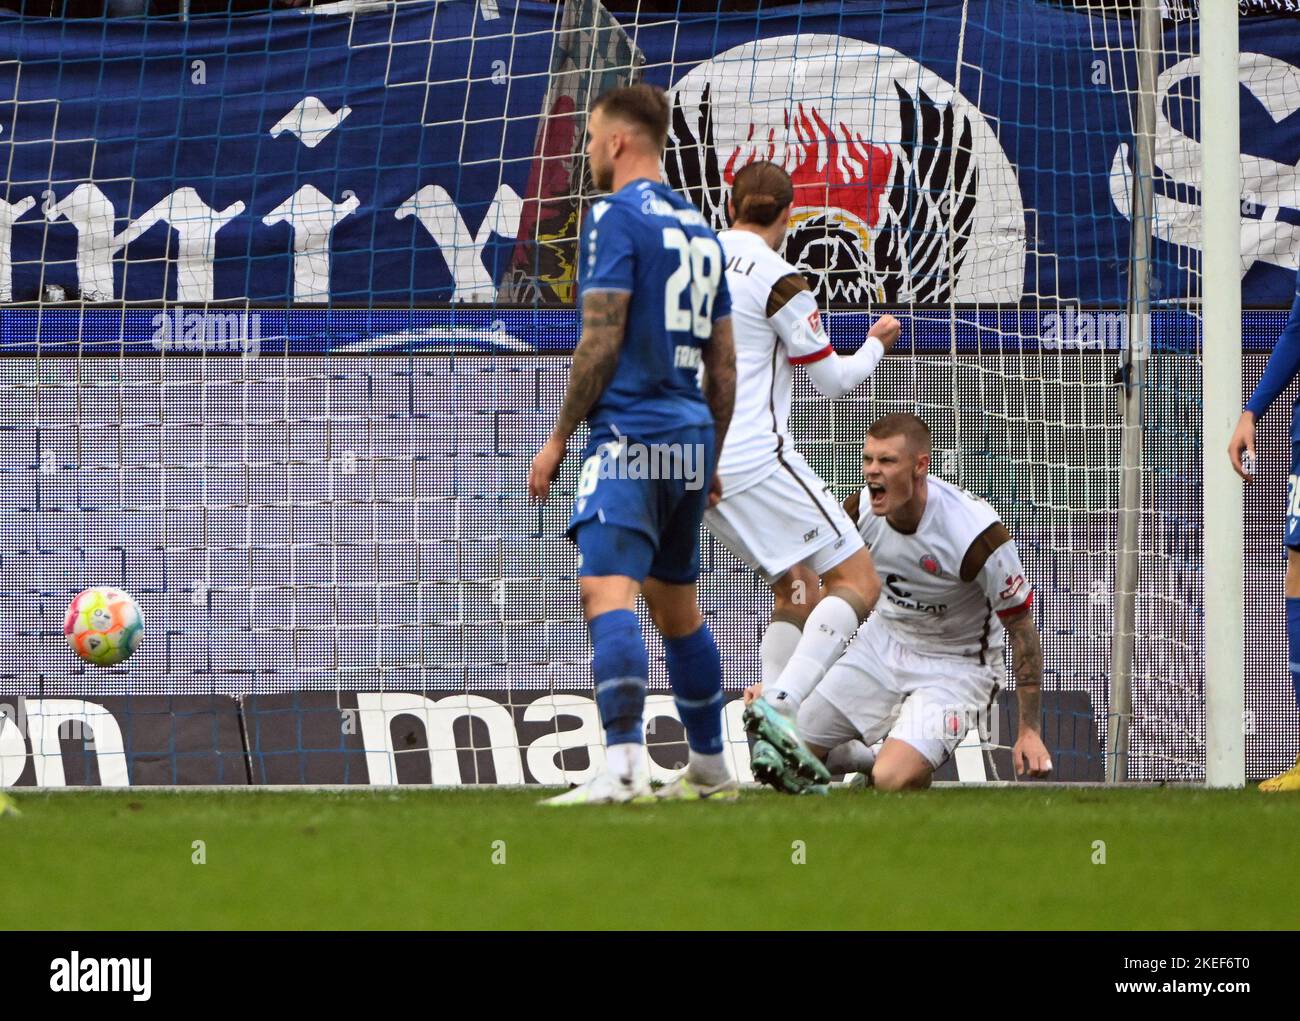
(1225, 762)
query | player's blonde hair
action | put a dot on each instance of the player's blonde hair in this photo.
(902, 423)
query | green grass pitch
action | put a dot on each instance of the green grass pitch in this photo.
(1018, 858)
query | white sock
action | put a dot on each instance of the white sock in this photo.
(708, 769)
(825, 636)
(851, 757)
(626, 760)
(778, 645)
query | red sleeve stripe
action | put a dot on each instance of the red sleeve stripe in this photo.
(816, 356)
(1005, 615)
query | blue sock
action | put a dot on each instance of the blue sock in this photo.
(621, 667)
(1293, 643)
(695, 672)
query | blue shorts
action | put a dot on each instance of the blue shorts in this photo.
(638, 505)
(1292, 539)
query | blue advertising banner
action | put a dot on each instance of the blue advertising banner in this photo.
(979, 152)
(94, 330)
(392, 158)
(270, 158)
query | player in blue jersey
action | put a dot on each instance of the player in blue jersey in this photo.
(1283, 366)
(655, 315)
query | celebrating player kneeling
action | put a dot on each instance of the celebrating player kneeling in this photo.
(776, 514)
(928, 663)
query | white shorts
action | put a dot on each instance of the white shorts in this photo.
(880, 688)
(788, 518)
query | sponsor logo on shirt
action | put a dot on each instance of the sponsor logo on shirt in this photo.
(1014, 585)
(815, 321)
(653, 205)
(902, 597)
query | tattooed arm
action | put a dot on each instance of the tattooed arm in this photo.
(604, 323)
(720, 392)
(1030, 754)
(720, 379)
(993, 561)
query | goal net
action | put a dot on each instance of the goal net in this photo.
(288, 310)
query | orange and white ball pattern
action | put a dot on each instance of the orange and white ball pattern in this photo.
(104, 626)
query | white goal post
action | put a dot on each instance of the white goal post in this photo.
(1225, 764)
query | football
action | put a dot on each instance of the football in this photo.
(104, 626)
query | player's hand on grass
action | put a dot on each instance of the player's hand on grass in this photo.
(1243, 443)
(542, 471)
(886, 329)
(1030, 755)
(753, 692)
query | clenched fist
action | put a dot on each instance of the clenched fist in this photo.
(885, 329)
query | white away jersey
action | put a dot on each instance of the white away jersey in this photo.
(945, 587)
(776, 324)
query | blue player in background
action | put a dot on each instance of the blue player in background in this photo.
(655, 312)
(1283, 366)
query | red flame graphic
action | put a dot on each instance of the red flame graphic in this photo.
(844, 172)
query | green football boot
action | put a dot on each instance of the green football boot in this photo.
(766, 724)
(771, 769)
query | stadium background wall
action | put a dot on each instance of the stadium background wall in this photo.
(422, 571)
(323, 501)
